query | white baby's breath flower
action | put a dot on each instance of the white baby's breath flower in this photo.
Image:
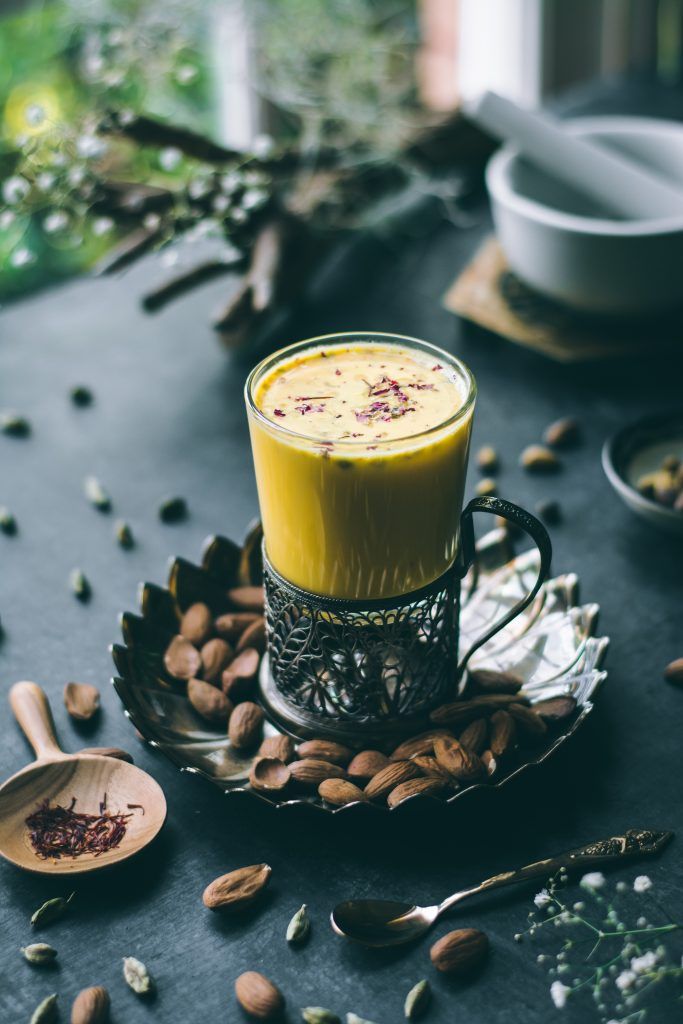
(76, 176)
(542, 898)
(89, 146)
(152, 221)
(101, 225)
(21, 257)
(593, 880)
(169, 158)
(6, 218)
(642, 883)
(14, 189)
(641, 964)
(45, 180)
(262, 145)
(579, 906)
(34, 114)
(624, 980)
(642, 922)
(559, 993)
(55, 221)
(220, 204)
(621, 887)
(185, 74)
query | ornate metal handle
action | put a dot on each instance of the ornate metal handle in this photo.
(531, 526)
(637, 842)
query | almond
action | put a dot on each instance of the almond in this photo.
(245, 725)
(311, 771)
(416, 745)
(673, 673)
(531, 724)
(389, 778)
(489, 680)
(459, 712)
(238, 678)
(216, 656)
(457, 760)
(82, 700)
(460, 952)
(196, 624)
(503, 733)
(489, 762)
(429, 765)
(238, 889)
(208, 701)
(428, 785)
(340, 792)
(247, 599)
(325, 750)
(269, 775)
(474, 735)
(182, 660)
(91, 1006)
(233, 624)
(258, 996)
(555, 709)
(281, 747)
(121, 755)
(254, 636)
(366, 764)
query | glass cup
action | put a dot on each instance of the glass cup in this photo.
(355, 521)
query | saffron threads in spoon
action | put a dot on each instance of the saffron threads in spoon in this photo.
(57, 831)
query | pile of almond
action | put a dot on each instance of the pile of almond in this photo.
(472, 739)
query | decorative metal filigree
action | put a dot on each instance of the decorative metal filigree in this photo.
(363, 662)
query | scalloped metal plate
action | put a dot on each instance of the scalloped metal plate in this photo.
(552, 645)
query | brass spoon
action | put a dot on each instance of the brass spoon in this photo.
(59, 777)
(391, 923)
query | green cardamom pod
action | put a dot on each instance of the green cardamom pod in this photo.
(81, 395)
(45, 1012)
(8, 523)
(172, 510)
(417, 1000)
(353, 1018)
(299, 927)
(14, 425)
(124, 535)
(39, 953)
(96, 494)
(80, 585)
(51, 911)
(319, 1015)
(137, 976)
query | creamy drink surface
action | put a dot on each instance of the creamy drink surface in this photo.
(360, 451)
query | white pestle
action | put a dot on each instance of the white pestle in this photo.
(620, 186)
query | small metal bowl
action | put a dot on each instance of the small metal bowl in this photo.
(552, 645)
(638, 449)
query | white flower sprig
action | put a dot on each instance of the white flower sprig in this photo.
(599, 953)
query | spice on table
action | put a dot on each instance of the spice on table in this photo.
(82, 700)
(8, 523)
(487, 459)
(537, 458)
(57, 831)
(96, 494)
(486, 487)
(417, 1000)
(14, 425)
(51, 911)
(460, 952)
(664, 485)
(238, 889)
(173, 510)
(673, 673)
(299, 927)
(81, 395)
(353, 1018)
(124, 535)
(258, 996)
(39, 953)
(137, 977)
(563, 433)
(46, 1011)
(80, 585)
(319, 1015)
(91, 1006)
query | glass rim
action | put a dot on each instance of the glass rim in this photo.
(338, 338)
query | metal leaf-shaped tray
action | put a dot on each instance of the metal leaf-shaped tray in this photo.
(551, 645)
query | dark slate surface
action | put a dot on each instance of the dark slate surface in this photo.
(169, 419)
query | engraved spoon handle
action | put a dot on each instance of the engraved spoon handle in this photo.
(634, 843)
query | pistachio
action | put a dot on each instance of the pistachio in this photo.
(216, 656)
(269, 775)
(137, 977)
(258, 996)
(8, 523)
(182, 660)
(460, 952)
(539, 459)
(46, 1011)
(39, 953)
(280, 746)
(487, 459)
(51, 911)
(196, 623)
(366, 764)
(96, 494)
(208, 701)
(81, 395)
(80, 585)
(325, 750)
(319, 1015)
(340, 792)
(417, 1000)
(238, 889)
(82, 700)
(563, 433)
(91, 1006)
(246, 725)
(14, 425)
(173, 510)
(299, 927)
(124, 535)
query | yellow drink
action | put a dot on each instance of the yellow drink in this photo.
(360, 447)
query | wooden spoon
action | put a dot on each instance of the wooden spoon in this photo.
(59, 777)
